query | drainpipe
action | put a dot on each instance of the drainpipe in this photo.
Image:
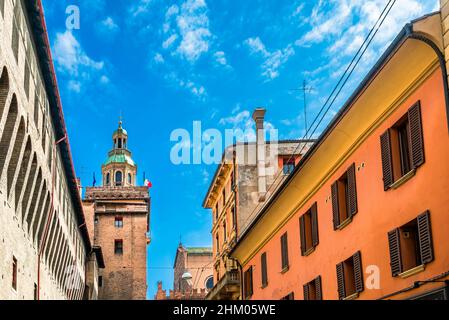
(50, 217)
(259, 118)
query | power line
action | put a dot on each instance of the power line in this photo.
(338, 88)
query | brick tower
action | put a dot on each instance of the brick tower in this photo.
(118, 219)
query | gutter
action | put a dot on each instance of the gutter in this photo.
(405, 34)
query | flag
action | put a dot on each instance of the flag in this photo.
(148, 184)
(94, 181)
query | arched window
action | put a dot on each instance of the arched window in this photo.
(130, 179)
(7, 132)
(4, 90)
(119, 143)
(108, 179)
(210, 283)
(118, 178)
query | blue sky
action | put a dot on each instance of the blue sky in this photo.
(163, 64)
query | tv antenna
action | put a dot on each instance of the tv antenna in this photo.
(305, 89)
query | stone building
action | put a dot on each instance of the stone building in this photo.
(193, 269)
(118, 219)
(248, 176)
(192, 275)
(45, 250)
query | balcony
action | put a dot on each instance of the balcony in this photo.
(228, 288)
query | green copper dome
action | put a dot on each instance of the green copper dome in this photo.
(120, 158)
(120, 130)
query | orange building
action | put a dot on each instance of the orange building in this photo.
(364, 214)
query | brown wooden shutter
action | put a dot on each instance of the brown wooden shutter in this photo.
(358, 272)
(318, 287)
(314, 214)
(352, 191)
(335, 205)
(306, 292)
(425, 238)
(302, 234)
(249, 283)
(395, 252)
(264, 270)
(387, 160)
(416, 135)
(284, 249)
(341, 281)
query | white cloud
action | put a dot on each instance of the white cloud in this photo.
(141, 7)
(70, 57)
(190, 24)
(109, 25)
(168, 43)
(158, 58)
(104, 79)
(194, 88)
(273, 61)
(220, 57)
(74, 86)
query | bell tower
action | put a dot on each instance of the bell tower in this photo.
(119, 170)
(118, 220)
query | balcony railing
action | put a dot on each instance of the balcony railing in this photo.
(228, 285)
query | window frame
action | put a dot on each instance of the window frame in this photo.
(118, 249)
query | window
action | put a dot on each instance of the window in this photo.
(108, 179)
(96, 219)
(402, 148)
(344, 198)
(217, 240)
(225, 232)
(119, 143)
(14, 273)
(209, 283)
(100, 281)
(411, 245)
(288, 165)
(216, 212)
(312, 290)
(118, 222)
(290, 296)
(263, 263)
(15, 31)
(118, 247)
(234, 216)
(284, 252)
(248, 284)
(350, 277)
(130, 179)
(118, 178)
(35, 297)
(224, 196)
(308, 225)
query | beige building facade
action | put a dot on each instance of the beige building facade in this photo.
(45, 248)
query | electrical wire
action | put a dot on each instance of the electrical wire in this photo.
(336, 91)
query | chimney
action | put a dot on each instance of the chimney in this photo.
(259, 118)
(444, 7)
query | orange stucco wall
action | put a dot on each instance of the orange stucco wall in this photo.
(379, 212)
